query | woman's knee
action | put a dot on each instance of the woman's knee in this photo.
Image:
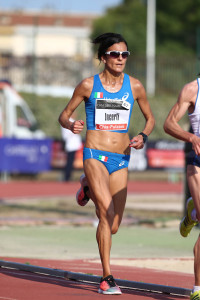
(110, 217)
(106, 215)
(116, 224)
(115, 228)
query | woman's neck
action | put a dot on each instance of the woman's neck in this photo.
(111, 82)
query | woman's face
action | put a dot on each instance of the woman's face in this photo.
(115, 64)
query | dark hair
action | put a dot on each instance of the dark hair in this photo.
(106, 40)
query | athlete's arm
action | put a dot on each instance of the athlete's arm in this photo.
(140, 95)
(185, 101)
(81, 93)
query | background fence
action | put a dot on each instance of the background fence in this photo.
(171, 72)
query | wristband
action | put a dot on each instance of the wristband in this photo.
(145, 137)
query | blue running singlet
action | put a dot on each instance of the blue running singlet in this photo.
(109, 111)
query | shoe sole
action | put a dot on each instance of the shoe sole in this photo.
(81, 179)
(108, 293)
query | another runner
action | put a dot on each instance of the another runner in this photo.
(109, 98)
(189, 100)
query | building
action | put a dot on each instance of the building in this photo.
(45, 34)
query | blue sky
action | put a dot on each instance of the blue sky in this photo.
(67, 6)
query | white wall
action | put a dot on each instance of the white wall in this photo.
(51, 41)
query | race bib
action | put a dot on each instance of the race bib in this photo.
(111, 114)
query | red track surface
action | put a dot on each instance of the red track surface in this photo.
(35, 189)
(28, 286)
(18, 285)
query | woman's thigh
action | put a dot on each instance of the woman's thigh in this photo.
(98, 180)
(193, 178)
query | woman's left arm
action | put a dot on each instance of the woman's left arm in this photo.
(140, 95)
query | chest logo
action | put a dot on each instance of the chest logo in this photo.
(125, 97)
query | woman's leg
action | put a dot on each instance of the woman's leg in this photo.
(118, 188)
(193, 178)
(109, 195)
(98, 182)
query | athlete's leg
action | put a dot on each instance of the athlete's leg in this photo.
(197, 262)
(99, 184)
(193, 178)
(118, 188)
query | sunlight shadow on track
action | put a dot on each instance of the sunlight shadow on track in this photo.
(47, 279)
(77, 288)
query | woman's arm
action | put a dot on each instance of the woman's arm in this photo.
(186, 100)
(140, 95)
(81, 93)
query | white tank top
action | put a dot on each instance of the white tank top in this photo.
(195, 116)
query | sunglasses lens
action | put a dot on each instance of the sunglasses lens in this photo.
(114, 54)
(125, 54)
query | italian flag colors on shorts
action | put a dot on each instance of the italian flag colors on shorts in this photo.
(98, 95)
(103, 158)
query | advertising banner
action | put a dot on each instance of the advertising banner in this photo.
(165, 154)
(159, 154)
(25, 156)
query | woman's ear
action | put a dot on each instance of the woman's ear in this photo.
(103, 59)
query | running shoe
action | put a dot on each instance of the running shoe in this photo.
(81, 196)
(187, 223)
(195, 295)
(108, 286)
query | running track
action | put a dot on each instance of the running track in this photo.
(18, 285)
(45, 189)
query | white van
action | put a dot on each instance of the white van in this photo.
(16, 118)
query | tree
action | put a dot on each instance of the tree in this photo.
(176, 25)
(129, 19)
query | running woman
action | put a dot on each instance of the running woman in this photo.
(109, 98)
(189, 101)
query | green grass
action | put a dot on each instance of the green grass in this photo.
(54, 242)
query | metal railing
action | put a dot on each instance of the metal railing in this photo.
(172, 72)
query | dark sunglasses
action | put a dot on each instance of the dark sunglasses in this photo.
(116, 54)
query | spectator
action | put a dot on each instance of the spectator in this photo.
(73, 143)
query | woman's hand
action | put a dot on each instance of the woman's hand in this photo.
(137, 142)
(77, 126)
(195, 140)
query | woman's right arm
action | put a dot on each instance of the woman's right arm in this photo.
(81, 92)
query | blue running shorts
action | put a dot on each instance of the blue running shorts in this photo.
(192, 159)
(112, 161)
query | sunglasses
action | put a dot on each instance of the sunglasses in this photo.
(116, 54)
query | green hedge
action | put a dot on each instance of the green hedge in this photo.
(47, 110)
